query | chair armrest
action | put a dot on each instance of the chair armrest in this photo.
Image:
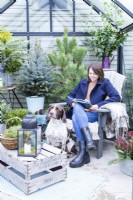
(103, 110)
(64, 104)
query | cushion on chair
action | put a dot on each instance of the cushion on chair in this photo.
(119, 117)
(116, 79)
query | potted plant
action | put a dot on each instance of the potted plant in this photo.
(13, 52)
(9, 137)
(13, 121)
(35, 79)
(4, 109)
(16, 115)
(106, 39)
(124, 148)
(67, 62)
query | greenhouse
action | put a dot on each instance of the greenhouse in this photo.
(65, 60)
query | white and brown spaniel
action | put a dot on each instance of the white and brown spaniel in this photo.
(57, 133)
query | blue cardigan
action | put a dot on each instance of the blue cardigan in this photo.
(98, 94)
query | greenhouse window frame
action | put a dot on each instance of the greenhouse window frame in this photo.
(6, 6)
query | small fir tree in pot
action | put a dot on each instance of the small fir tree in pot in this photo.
(68, 67)
(35, 78)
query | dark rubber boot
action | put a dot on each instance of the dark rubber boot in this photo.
(89, 141)
(82, 158)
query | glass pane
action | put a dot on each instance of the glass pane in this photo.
(14, 18)
(100, 5)
(60, 5)
(3, 3)
(128, 4)
(84, 16)
(45, 4)
(39, 17)
(128, 70)
(47, 43)
(62, 17)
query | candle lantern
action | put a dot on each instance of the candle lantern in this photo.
(29, 137)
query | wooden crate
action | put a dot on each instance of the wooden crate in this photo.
(31, 174)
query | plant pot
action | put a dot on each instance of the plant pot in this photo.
(35, 103)
(126, 166)
(2, 128)
(105, 62)
(9, 143)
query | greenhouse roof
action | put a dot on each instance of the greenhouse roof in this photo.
(126, 7)
(53, 6)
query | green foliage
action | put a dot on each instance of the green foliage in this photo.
(106, 39)
(13, 51)
(67, 62)
(71, 77)
(4, 109)
(13, 116)
(11, 132)
(35, 78)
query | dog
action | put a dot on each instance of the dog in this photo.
(57, 133)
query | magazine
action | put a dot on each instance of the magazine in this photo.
(85, 103)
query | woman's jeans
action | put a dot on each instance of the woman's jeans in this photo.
(81, 118)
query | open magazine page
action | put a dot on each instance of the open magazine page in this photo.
(85, 103)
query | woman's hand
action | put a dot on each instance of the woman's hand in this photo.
(73, 104)
(92, 108)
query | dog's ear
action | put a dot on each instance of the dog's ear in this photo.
(63, 116)
(48, 117)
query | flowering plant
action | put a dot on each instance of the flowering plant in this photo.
(124, 147)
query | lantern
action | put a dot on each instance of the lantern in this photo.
(29, 137)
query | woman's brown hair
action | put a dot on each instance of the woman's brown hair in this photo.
(97, 68)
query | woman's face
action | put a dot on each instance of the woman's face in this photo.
(93, 77)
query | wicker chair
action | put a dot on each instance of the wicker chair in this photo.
(118, 81)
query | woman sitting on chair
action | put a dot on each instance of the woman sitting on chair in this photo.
(95, 89)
